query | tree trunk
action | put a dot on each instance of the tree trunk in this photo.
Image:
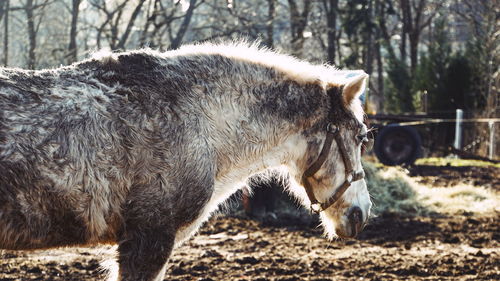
(113, 42)
(331, 8)
(369, 41)
(406, 20)
(339, 49)
(6, 34)
(385, 33)
(3, 8)
(298, 23)
(380, 100)
(128, 29)
(414, 23)
(176, 43)
(72, 48)
(270, 23)
(28, 9)
(380, 78)
(414, 40)
(150, 18)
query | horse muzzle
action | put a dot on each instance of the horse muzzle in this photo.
(353, 225)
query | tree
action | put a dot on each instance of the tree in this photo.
(379, 89)
(176, 42)
(161, 28)
(72, 47)
(271, 11)
(483, 50)
(30, 8)
(399, 89)
(439, 74)
(113, 20)
(331, 9)
(298, 24)
(4, 12)
(416, 15)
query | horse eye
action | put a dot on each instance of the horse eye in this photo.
(362, 138)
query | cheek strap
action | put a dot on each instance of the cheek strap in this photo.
(332, 132)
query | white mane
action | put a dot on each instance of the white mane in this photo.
(295, 69)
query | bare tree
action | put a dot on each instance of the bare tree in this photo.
(151, 14)
(161, 27)
(28, 9)
(298, 24)
(113, 20)
(34, 12)
(73, 48)
(416, 16)
(227, 19)
(368, 34)
(386, 33)
(177, 40)
(4, 12)
(331, 8)
(3, 8)
(130, 24)
(379, 90)
(271, 11)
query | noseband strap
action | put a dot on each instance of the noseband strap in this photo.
(332, 132)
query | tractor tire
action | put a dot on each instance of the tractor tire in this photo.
(398, 145)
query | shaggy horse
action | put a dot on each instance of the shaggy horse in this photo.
(139, 148)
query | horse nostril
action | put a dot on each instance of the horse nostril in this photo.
(355, 214)
(355, 217)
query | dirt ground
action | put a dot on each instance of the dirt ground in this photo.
(392, 247)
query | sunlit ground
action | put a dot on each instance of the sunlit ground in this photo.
(454, 162)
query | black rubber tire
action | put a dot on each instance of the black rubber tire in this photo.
(397, 145)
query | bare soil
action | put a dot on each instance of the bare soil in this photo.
(392, 247)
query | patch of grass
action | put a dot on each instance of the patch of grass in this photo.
(455, 162)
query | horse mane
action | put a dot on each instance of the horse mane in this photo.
(299, 71)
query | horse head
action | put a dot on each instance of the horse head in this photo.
(333, 178)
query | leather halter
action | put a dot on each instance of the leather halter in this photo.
(333, 132)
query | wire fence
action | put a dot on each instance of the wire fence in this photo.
(479, 136)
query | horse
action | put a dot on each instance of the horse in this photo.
(139, 148)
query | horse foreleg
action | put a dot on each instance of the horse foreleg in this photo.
(146, 239)
(142, 256)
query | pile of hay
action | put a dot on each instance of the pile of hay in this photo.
(392, 190)
(391, 193)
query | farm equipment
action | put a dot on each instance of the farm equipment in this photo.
(395, 144)
(401, 139)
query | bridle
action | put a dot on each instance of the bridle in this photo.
(332, 132)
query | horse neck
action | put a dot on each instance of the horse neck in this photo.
(254, 142)
(261, 153)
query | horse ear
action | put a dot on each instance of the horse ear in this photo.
(354, 87)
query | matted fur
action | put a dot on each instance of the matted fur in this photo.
(139, 148)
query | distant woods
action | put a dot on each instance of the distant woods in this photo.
(432, 55)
